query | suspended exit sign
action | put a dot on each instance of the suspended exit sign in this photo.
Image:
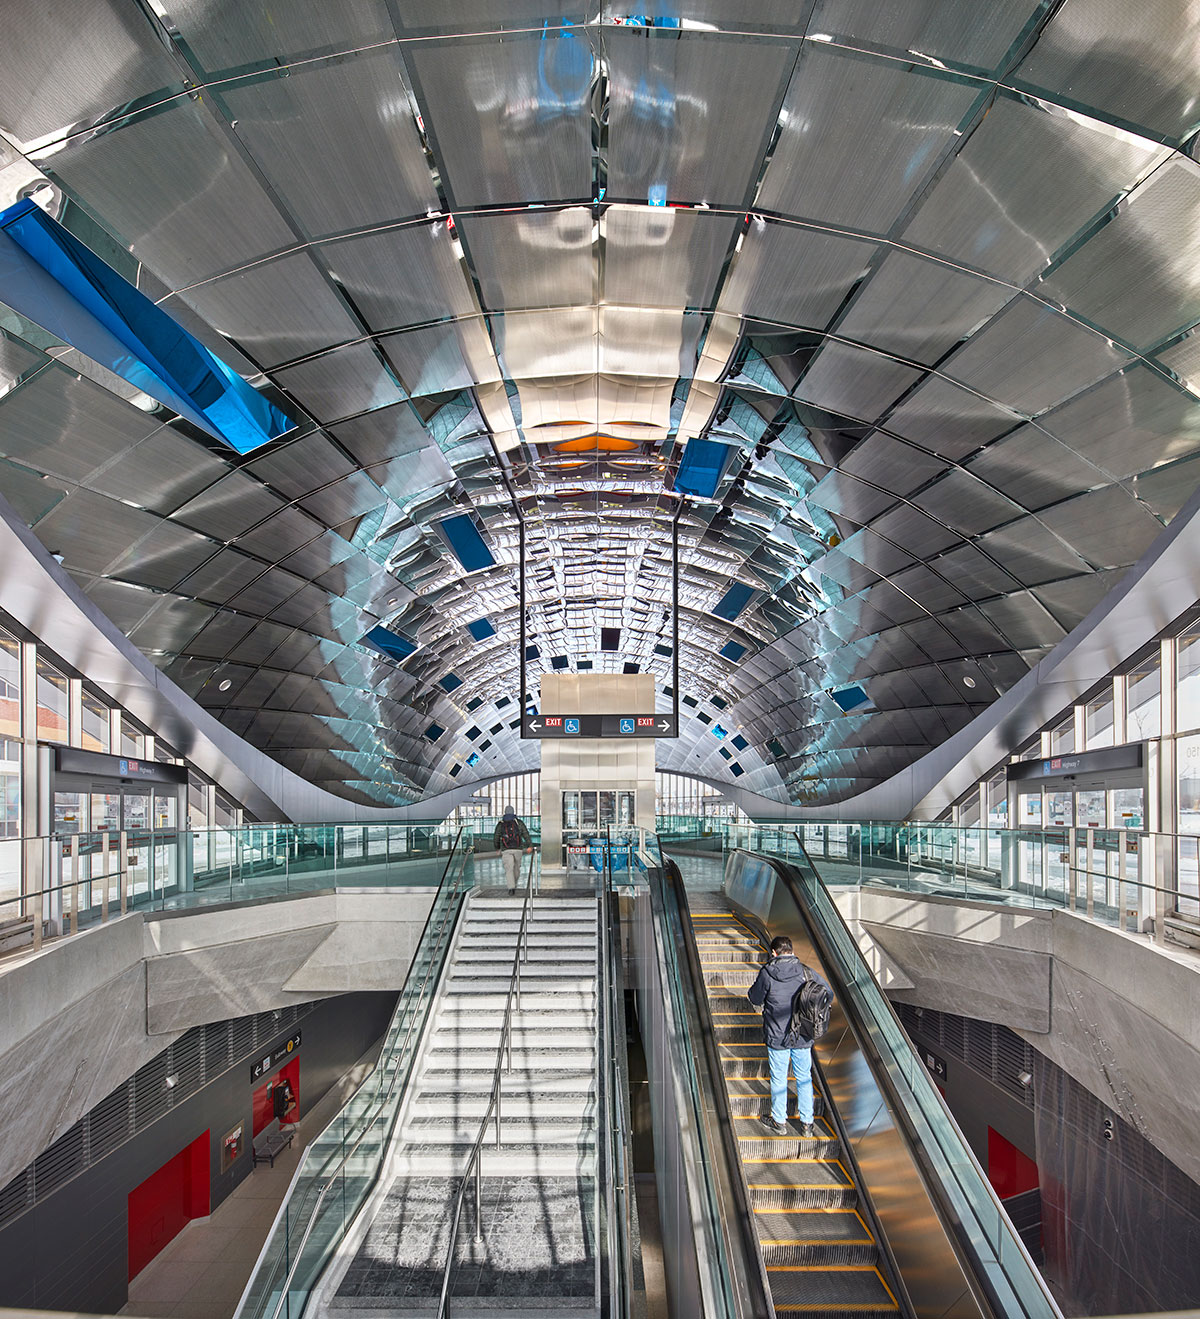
(599, 725)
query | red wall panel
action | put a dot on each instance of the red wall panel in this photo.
(162, 1205)
(1009, 1171)
(264, 1109)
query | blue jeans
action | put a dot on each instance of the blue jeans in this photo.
(801, 1063)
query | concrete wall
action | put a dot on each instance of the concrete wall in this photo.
(85, 1013)
(1111, 1009)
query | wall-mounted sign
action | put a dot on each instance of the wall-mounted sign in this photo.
(232, 1145)
(70, 760)
(599, 725)
(936, 1065)
(266, 1065)
(1086, 762)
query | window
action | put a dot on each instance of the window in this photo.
(132, 741)
(10, 686)
(1062, 739)
(94, 733)
(1098, 722)
(1143, 702)
(1187, 751)
(1187, 651)
(997, 801)
(52, 704)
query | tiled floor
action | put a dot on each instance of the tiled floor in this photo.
(202, 1273)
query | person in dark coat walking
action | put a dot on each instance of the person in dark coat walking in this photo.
(510, 838)
(773, 991)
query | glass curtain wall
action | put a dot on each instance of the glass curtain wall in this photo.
(677, 794)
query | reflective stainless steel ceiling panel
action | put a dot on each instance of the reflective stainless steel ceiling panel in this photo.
(1109, 527)
(160, 473)
(1023, 620)
(921, 537)
(441, 358)
(854, 381)
(663, 256)
(842, 494)
(280, 535)
(176, 191)
(948, 420)
(1034, 468)
(1166, 489)
(220, 578)
(1031, 552)
(966, 503)
(1129, 423)
(341, 383)
(1031, 357)
(228, 507)
(387, 433)
(971, 36)
(420, 17)
(858, 138)
(300, 466)
(275, 311)
(73, 63)
(690, 115)
(891, 464)
(171, 625)
(511, 117)
(1140, 65)
(161, 557)
(533, 258)
(1023, 183)
(823, 269)
(402, 277)
(1138, 278)
(15, 360)
(66, 426)
(1071, 601)
(231, 34)
(973, 573)
(919, 309)
(338, 141)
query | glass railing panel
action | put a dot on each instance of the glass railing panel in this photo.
(1016, 1285)
(341, 1166)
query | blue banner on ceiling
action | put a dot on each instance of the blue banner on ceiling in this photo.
(49, 276)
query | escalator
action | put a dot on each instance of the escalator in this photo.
(810, 1218)
(883, 1211)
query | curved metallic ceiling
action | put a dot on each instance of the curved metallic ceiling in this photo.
(923, 275)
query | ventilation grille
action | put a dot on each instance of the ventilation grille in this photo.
(193, 1060)
(994, 1051)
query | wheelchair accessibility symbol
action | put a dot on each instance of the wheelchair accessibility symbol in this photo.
(570, 725)
(626, 725)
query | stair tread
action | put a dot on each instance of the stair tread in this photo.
(788, 1226)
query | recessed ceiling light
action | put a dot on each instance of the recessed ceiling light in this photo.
(968, 681)
(225, 685)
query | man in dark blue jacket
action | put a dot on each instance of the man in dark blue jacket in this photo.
(773, 991)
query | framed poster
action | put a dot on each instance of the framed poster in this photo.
(232, 1146)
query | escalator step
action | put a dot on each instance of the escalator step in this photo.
(805, 1287)
(814, 1236)
(755, 1142)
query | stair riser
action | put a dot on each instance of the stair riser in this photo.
(521, 1108)
(565, 1060)
(785, 1147)
(522, 1041)
(499, 1163)
(515, 1132)
(549, 1019)
(532, 1000)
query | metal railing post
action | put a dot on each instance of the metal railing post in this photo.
(123, 871)
(104, 880)
(73, 901)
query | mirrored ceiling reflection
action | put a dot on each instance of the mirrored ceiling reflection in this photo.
(887, 309)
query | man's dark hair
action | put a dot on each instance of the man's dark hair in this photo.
(781, 944)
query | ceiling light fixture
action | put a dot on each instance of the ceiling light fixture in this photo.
(968, 681)
(225, 685)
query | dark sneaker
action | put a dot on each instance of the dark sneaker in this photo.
(807, 1129)
(779, 1128)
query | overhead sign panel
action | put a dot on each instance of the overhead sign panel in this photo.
(599, 725)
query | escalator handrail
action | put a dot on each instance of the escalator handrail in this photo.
(959, 1232)
(474, 1161)
(743, 1288)
(380, 1105)
(758, 1284)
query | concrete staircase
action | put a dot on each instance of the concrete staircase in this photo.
(539, 1184)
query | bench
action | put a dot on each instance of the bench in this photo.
(272, 1141)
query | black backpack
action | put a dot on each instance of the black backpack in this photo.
(510, 833)
(811, 1005)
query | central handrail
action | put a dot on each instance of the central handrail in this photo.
(380, 1107)
(503, 1052)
